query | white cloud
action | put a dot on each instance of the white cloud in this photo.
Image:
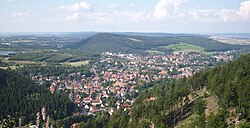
(12, 0)
(54, 20)
(97, 17)
(139, 16)
(244, 10)
(21, 14)
(227, 15)
(75, 7)
(170, 9)
(166, 8)
(100, 18)
(107, 17)
(132, 5)
(73, 16)
(209, 15)
(222, 15)
(114, 6)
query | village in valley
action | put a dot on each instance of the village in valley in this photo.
(124, 64)
(117, 78)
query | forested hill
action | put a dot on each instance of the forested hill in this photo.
(158, 34)
(104, 42)
(21, 98)
(170, 102)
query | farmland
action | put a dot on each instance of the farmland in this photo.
(183, 47)
(154, 52)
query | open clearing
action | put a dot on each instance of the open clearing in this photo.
(77, 63)
(245, 40)
(212, 105)
(6, 60)
(154, 52)
(186, 122)
(186, 48)
(11, 67)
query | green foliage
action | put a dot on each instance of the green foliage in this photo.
(30, 56)
(19, 96)
(154, 52)
(183, 47)
(55, 56)
(218, 120)
(95, 122)
(229, 82)
(199, 110)
(59, 58)
(104, 42)
(41, 56)
(245, 125)
(199, 107)
(158, 113)
(8, 122)
(118, 121)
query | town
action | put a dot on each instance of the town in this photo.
(117, 77)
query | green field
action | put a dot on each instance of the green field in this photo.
(40, 57)
(154, 52)
(183, 47)
(58, 58)
(187, 122)
(77, 63)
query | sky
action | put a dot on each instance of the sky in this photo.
(167, 16)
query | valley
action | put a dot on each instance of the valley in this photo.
(124, 64)
(112, 80)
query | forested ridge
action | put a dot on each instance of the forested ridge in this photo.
(22, 98)
(103, 42)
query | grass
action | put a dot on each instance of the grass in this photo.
(58, 58)
(154, 52)
(212, 105)
(11, 67)
(41, 57)
(6, 60)
(186, 48)
(186, 122)
(77, 63)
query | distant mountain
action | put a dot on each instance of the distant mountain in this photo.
(103, 42)
(132, 43)
(231, 34)
(158, 34)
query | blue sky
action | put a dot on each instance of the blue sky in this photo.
(171, 16)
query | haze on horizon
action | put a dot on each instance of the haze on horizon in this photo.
(170, 16)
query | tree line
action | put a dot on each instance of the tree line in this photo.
(22, 98)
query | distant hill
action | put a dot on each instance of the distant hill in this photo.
(158, 34)
(132, 43)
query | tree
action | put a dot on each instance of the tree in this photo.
(218, 120)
